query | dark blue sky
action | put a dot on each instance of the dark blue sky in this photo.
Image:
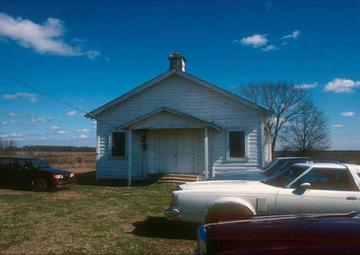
(87, 53)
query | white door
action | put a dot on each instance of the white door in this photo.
(167, 152)
(185, 141)
(177, 151)
(331, 191)
(316, 201)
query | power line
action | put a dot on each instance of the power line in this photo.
(21, 82)
(17, 80)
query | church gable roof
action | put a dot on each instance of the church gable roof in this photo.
(166, 75)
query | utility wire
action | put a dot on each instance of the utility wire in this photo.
(42, 93)
(19, 81)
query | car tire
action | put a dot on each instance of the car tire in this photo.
(227, 212)
(40, 185)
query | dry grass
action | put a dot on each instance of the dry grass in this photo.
(74, 161)
(92, 219)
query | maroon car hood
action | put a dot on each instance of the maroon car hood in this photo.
(300, 228)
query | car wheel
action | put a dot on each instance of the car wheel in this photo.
(227, 212)
(40, 185)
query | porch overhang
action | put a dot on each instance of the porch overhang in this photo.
(166, 118)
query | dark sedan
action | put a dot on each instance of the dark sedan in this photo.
(34, 173)
(288, 234)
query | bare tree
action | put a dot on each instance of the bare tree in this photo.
(282, 99)
(308, 131)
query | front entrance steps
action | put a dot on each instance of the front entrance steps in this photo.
(175, 178)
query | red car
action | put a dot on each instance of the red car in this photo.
(328, 234)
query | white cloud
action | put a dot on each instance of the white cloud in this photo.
(348, 114)
(12, 114)
(55, 128)
(340, 85)
(255, 40)
(43, 38)
(61, 132)
(269, 48)
(261, 41)
(293, 35)
(82, 136)
(31, 97)
(92, 54)
(16, 135)
(337, 125)
(4, 122)
(306, 85)
(40, 119)
(12, 135)
(71, 113)
(84, 130)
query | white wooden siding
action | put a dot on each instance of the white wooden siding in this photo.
(184, 96)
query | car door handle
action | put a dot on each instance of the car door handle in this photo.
(351, 198)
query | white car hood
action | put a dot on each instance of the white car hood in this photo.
(251, 175)
(239, 185)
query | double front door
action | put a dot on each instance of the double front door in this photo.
(177, 151)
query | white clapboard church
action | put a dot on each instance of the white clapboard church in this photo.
(178, 123)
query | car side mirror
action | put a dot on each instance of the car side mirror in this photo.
(305, 185)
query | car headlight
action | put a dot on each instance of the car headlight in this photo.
(58, 176)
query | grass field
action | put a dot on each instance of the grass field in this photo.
(92, 219)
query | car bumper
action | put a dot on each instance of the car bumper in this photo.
(64, 183)
(172, 214)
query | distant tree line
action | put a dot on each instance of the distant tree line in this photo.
(295, 122)
(58, 148)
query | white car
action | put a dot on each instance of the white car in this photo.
(274, 167)
(302, 188)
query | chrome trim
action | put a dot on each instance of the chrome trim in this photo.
(172, 214)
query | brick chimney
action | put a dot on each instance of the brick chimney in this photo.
(177, 62)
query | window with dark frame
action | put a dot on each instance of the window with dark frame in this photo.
(118, 144)
(237, 144)
(329, 179)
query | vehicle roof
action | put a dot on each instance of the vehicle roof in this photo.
(286, 158)
(321, 165)
(354, 168)
(309, 159)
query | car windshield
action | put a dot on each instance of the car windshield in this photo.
(287, 176)
(274, 167)
(38, 163)
(270, 164)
